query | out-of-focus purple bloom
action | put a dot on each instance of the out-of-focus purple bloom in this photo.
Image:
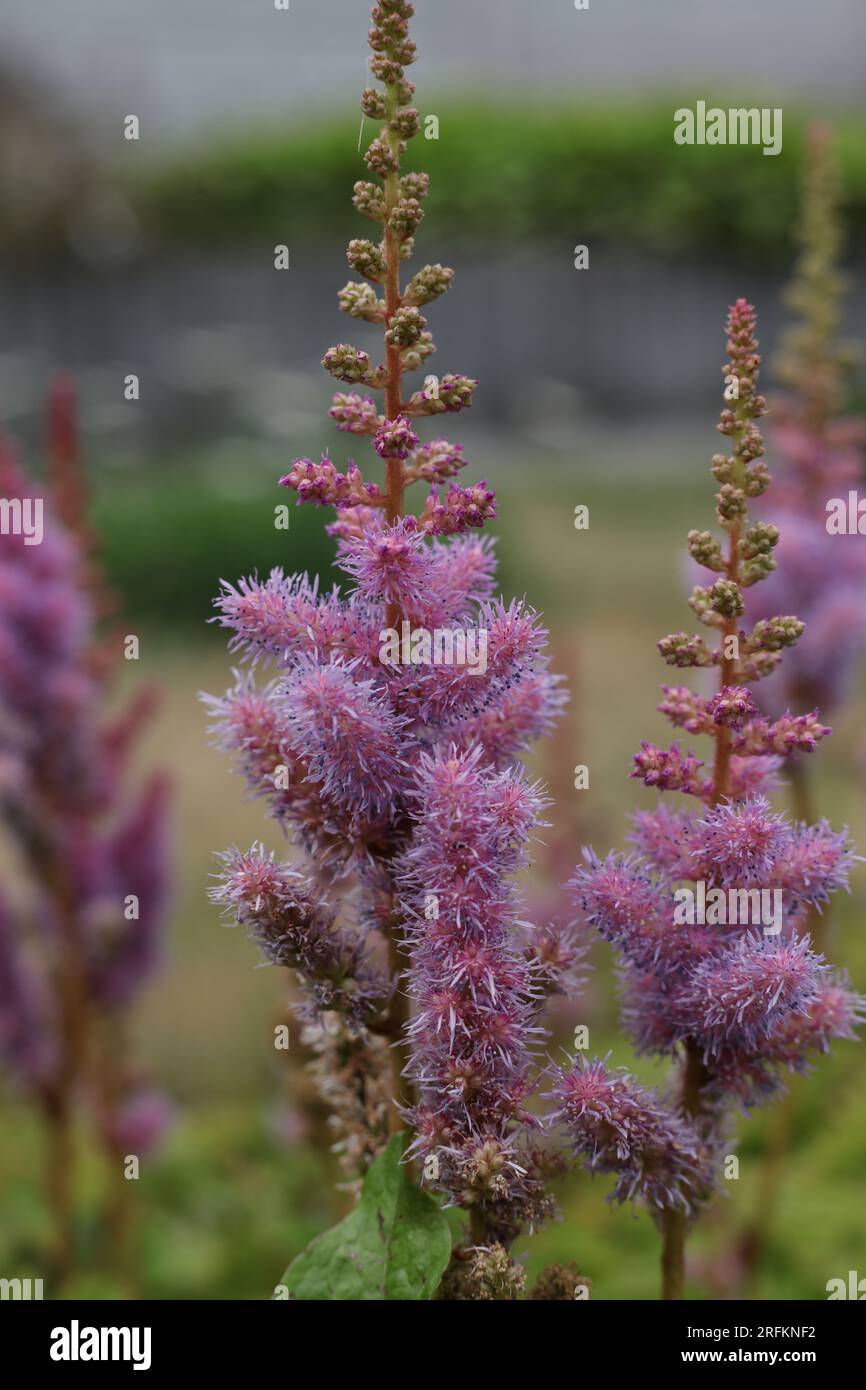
(821, 578)
(141, 1123)
(96, 857)
(27, 1028)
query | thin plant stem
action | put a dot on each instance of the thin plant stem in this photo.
(675, 1222)
(395, 480)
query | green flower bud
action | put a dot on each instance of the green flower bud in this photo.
(373, 104)
(705, 549)
(428, 284)
(725, 598)
(361, 302)
(772, 634)
(757, 481)
(415, 185)
(679, 649)
(759, 540)
(413, 358)
(731, 505)
(348, 363)
(369, 200)
(380, 158)
(406, 217)
(405, 123)
(366, 258)
(405, 327)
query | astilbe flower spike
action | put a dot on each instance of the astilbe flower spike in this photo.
(95, 856)
(384, 743)
(709, 918)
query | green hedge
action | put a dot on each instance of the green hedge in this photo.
(571, 172)
(165, 548)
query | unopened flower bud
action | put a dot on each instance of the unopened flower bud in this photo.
(758, 480)
(387, 70)
(355, 414)
(395, 439)
(405, 123)
(361, 302)
(369, 200)
(725, 598)
(405, 327)
(366, 258)
(406, 217)
(731, 505)
(456, 392)
(705, 549)
(759, 539)
(373, 104)
(415, 185)
(771, 634)
(428, 284)
(380, 158)
(413, 358)
(680, 649)
(347, 363)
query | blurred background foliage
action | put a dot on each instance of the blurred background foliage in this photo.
(538, 173)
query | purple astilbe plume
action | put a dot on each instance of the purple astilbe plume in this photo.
(383, 740)
(708, 918)
(477, 987)
(83, 938)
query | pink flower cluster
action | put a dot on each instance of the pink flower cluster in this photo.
(732, 987)
(710, 918)
(396, 782)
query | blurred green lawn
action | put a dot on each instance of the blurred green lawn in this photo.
(227, 1203)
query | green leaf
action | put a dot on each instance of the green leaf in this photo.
(394, 1245)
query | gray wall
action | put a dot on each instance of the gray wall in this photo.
(188, 66)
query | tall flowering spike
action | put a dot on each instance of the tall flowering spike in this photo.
(743, 652)
(383, 742)
(708, 919)
(812, 359)
(394, 200)
(94, 859)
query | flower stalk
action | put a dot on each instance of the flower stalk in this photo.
(733, 996)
